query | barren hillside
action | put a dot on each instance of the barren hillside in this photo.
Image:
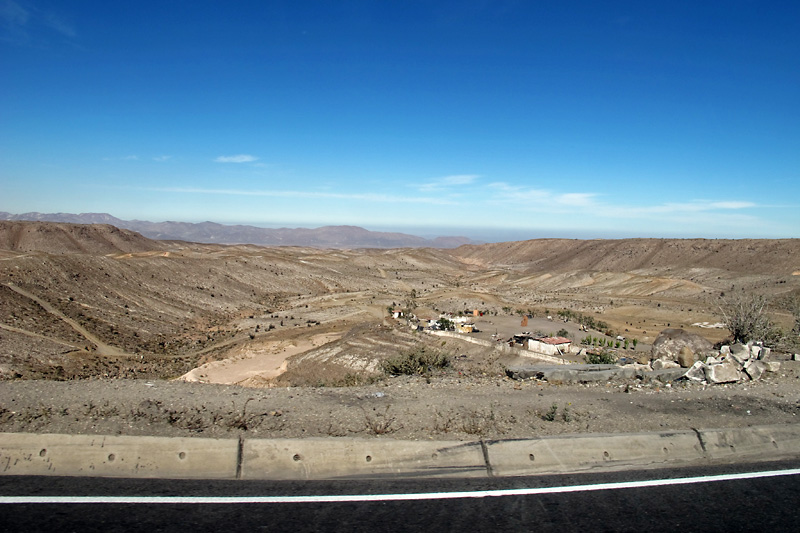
(61, 238)
(88, 300)
(748, 256)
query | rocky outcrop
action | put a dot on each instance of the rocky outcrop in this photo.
(681, 347)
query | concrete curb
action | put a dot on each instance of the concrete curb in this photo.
(29, 454)
(351, 458)
(576, 453)
(303, 459)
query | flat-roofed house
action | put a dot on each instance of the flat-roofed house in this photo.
(550, 345)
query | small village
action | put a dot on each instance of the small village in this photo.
(675, 354)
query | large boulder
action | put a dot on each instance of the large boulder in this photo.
(670, 342)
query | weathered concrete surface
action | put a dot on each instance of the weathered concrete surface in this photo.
(353, 458)
(117, 456)
(580, 373)
(766, 442)
(300, 459)
(575, 453)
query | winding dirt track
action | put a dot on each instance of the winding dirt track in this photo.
(101, 347)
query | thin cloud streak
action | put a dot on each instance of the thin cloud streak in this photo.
(370, 197)
(19, 21)
(448, 182)
(240, 158)
(541, 199)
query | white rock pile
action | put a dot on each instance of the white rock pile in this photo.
(740, 362)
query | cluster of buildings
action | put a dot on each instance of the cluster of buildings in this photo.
(464, 324)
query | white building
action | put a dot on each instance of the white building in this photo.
(550, 345)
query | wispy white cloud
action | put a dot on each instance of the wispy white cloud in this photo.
(162, 158)
(533, 200)
(692, 206)
(576, 199)
(57, 23)
(733, 205)
(21, 23)
(240, 158)
(123, 158)
(505, 193)
(448, 182)
(14, 20)
(367, 197)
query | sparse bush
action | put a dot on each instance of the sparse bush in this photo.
(601, 358)
(562, 333)
(550, 415)
(745, 316)
(442, 423)
(418, 361)
(479, 422)
(380, 423)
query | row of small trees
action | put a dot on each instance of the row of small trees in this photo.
(609, 343)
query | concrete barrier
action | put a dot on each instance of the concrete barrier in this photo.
(106, 456)
(335, 458)
(576, 453)
(354, 458)
(760, 442)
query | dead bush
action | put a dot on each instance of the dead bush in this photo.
(418, 361)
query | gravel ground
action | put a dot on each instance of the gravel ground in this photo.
(446, 406)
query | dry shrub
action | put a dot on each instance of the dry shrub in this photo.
(417, 361)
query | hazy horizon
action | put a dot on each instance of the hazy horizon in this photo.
(475, 234)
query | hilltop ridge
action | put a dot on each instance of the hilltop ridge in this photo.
(342, 236)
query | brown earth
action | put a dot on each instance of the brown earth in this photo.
(95, 321)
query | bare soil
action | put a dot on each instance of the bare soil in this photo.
(447, 406)
(103, 331)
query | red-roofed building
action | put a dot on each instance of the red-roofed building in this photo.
(550, 345)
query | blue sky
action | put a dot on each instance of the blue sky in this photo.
(492, 119)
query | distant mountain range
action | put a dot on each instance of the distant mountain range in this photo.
(211, 232)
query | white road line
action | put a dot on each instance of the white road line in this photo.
(388, 497)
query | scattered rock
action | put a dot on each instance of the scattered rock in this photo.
(722, 373)
(740, 350)
(754, 369)
(696, 372)
(661, 364)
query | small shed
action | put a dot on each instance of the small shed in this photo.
(465, 328)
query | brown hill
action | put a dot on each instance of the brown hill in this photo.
(212, 233)
(752, 256)
(61, 238)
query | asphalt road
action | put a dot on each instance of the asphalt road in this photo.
(528, 503)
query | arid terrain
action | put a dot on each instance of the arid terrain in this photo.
(105, 331)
